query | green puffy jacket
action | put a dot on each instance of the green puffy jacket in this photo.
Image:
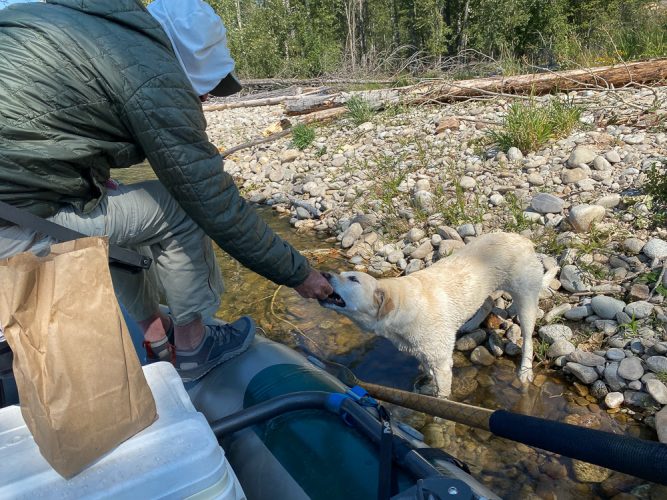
(90, 85)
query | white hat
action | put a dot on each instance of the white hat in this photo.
(199, 39)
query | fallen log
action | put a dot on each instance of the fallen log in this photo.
(605, 77)
(267, 101)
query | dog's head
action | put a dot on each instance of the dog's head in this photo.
(358, 296)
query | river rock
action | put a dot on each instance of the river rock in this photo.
(638, 398)
(613, 399)
(586, 358)
(422, 250)
(415, 234)
(661, 424)
(599, 389)
(289, 156)
(601, 163)
(351, 234)
(414, 266)
(556, 312)
(545, 203)
(639, 310)
(467, 182)
(572, 279)
(514, 154)
(611, 377)
(615, 354)
(589, 473)
(583, 216)
(586, 374)
(657, 364)
(466, 230)
(631, 368)
(609, 201)
(481, 356)
(573, 175)
(552, 333)
(655, 248)
(578, 313)
(580, 155)
(657, 390)
(606, 307)
(560, 348)
(471, 340)
(449, 233)
(425, 201)
(612, 157)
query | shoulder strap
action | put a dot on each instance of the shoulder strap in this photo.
(118, 256)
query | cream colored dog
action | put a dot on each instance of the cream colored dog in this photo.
(421, 313)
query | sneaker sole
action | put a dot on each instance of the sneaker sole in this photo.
(198, 373)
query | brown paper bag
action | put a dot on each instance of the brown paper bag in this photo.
(81, 387)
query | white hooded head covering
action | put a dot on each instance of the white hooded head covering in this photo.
(199, 39)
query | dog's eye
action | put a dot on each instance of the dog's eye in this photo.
(353, 279)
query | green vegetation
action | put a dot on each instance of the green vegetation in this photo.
(359, 110)
(403, 38)
(529, 125)
(650, 279)
(302, 136)
(631, 328)
(662, 377)
(516, 220)
(656, 189)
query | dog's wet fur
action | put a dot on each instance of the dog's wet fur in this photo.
(422, 312)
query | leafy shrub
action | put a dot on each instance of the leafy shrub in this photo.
(302, 136)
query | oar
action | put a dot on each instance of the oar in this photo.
(638, 457)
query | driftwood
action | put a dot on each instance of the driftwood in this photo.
(284, 82)
(267, 101)
(534, 84)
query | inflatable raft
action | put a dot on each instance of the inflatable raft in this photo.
(289, 430)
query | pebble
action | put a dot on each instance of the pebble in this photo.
(657, 364)
(657, 390)
(481, 356)
(586, 358)
(639, 310)
(580, 155)
(613, 399)
(560, 347)
(514, 154)
(572, 279)
(578, 313)
(655, 248)
(351, 234)
(552, 333)
(586, 374)
(606, 307)
(631, 368)
(583, 216)
(545, 203)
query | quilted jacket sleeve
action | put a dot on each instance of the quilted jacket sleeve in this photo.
(169, 125)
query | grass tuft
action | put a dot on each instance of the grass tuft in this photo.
(529, 125)
(360, 110)
(302, 136)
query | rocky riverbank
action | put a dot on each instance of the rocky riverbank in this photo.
(412, 185)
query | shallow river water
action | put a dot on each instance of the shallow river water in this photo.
(510, 469)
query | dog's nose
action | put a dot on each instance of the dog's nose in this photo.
(327, 276)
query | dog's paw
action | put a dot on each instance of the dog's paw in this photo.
(526, 375)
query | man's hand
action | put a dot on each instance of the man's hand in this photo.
(315, 287)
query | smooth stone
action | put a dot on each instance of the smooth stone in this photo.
(638, 398)
(631, 368)
(415, 234)
(481, 356)
(578, 313)
(535, 180)
(290, 155)
(586, 358)
(612, 157)
(639, 310)
(351, 235)
(476, 320)
(471, 340)
(572, 279)
(613, 399)
(514, 154)
(583, 216)
(599, 389)
(559, 348)
(615, 354)
(467, 182)
(545, 203)
(609, 201)
(580, 155)
(606, 307)
(657, 364)
(414, 266)
(611, 377)
(422, 251)
(657, 390)
(552, 333)
(655, 248)
(466, 230)
(573, 175)
(586, 374)
(633, 245)
(601, 163)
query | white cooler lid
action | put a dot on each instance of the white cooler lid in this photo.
(178, 456)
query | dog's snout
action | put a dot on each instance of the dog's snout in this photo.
(327, 276)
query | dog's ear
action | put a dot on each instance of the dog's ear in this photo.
(384, 303)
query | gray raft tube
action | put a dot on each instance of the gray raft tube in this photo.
(308, 451)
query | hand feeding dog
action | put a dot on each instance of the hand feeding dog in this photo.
(421, 313)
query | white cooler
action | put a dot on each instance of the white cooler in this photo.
(176, 457)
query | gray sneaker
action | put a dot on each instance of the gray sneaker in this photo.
(221, 342)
